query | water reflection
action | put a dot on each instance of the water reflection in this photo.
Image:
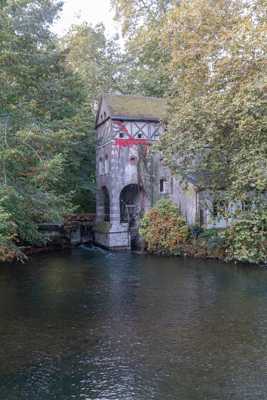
(98, 325)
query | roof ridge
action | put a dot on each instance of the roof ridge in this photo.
(135, 106)
(134, 96)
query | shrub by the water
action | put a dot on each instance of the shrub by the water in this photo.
(7, 236)
(164, 229)
(246, 238)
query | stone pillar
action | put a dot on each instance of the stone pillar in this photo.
(115, 208)
(119, 232)
(99, 206)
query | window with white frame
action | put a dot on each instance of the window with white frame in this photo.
(101, 166)
(106, 164)
(163, 185)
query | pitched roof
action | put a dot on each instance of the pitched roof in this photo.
(136, 107)
(206, 180)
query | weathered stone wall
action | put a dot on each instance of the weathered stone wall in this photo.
(185, 197)
(70, 233)
(126, 166)
(135, 165)
(113, 240)
(118, 167)
(206, 202)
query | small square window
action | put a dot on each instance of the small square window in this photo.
(162, 186)
(121, 134)
(133, 160)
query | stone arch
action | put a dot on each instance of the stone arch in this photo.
(105, 203)
(132, 199)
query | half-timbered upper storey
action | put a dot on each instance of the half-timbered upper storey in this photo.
(129, 119)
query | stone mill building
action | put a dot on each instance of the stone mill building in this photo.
(130, 176)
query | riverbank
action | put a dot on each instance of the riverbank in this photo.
(75, 229)
(165, 231)
(188, 251)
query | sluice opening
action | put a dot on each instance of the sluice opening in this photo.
(132, 199)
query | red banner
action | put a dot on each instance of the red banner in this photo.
(130, 142)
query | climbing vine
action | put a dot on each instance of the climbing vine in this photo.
(147, 171)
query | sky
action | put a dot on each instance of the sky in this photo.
(92, 11)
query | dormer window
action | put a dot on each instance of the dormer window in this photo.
(121, 134)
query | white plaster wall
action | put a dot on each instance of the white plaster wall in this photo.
(103, 112)
(186, 199)
(149, 130)
(206, 201)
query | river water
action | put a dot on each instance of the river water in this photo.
(118, 326)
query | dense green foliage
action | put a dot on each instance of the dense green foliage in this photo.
(246, 238)
(145, 61)
(221, 113)
(95, 58)
(166, 232)
(163, 228)
(46, 125)
(33, 83)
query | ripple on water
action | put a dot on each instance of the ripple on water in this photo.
(101, 326)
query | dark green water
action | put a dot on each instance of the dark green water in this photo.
(94, 325)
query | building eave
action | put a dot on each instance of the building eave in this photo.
(133, 118)
(102, 122)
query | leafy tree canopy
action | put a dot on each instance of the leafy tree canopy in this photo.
(95, 58)
(44, 124)
(217, 113)
(144, 61)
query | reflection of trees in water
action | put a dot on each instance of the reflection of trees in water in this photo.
(48, 310)
(118, 319)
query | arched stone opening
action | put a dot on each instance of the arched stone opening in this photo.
(105, 200)
(132, 198)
